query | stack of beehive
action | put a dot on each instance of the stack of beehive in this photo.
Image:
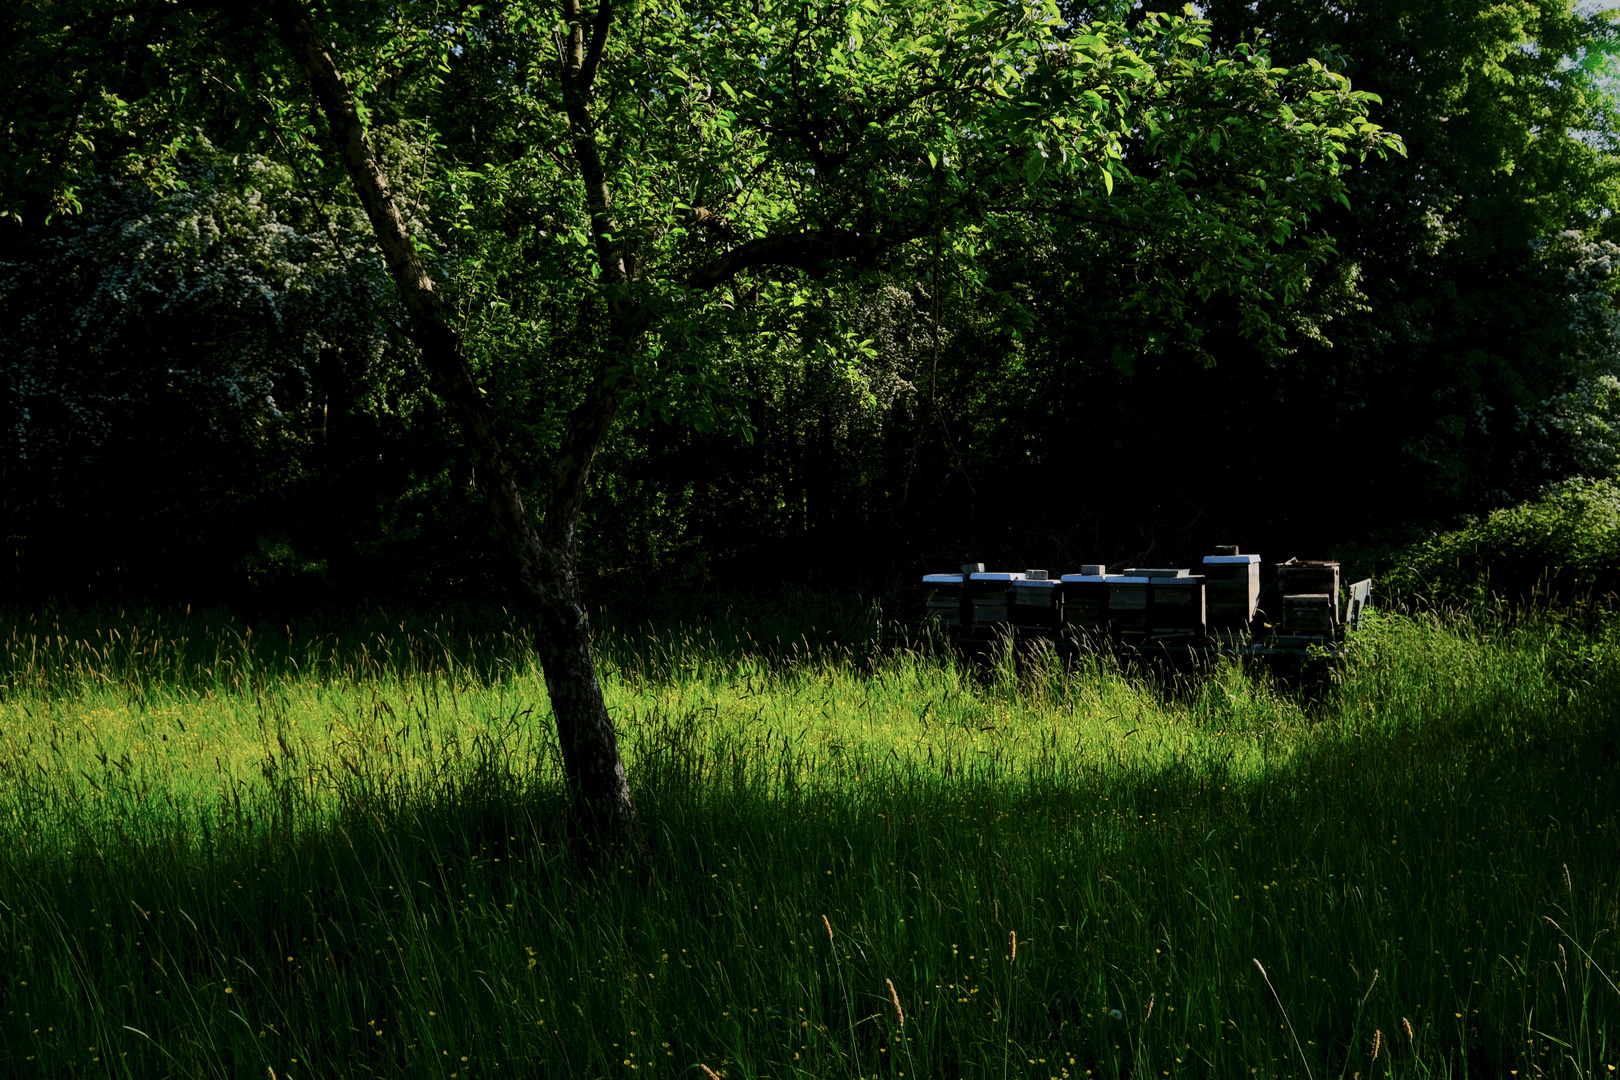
(1175, 604)
(1141, 603)
(1232, 592)
(1310, 598)
(976, 600)
(945, 596)
(991, 598)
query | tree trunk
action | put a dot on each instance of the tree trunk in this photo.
(544, 562)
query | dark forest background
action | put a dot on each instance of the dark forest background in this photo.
(206, 396)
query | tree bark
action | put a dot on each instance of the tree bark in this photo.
(543, 560)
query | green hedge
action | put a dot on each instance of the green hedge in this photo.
(1563, 547)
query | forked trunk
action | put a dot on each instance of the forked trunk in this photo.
(544, 561)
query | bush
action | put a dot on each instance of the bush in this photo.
(1562, 547)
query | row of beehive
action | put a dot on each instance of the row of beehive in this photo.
(1137, 603)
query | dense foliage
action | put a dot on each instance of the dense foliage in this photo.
(1155, 328)
(1563, 546)
(1455, 353)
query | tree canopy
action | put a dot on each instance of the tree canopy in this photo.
(729, 171)
(1449, 335)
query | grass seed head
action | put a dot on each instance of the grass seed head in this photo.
(1378, 1043)
(708, 1072)
(1012, 946)
(894, 999)
(1406, 1025)
(828, 925)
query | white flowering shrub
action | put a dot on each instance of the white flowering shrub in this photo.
(203, 294)
(188, 349)
(1580, 426)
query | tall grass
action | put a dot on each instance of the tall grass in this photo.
(341, 854)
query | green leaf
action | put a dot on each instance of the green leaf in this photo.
(1034, 165)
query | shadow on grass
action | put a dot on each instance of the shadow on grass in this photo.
(1430, 880)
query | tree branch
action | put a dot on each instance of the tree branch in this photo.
(441, 348)
(578, 72)
(571, 467)
(593, 53)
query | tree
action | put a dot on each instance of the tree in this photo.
(1482, 331)
(654, 185)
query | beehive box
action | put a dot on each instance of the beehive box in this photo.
(944, 598)
(1036, 601)
(1309, 615)
(1175, 607)
(1298, 577)
(990, 596)
(1231, 590)
(1127, 604)
(1085, 600)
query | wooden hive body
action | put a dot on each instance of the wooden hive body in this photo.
(1232, 590)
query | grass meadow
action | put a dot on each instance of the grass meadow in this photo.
(301, 853)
